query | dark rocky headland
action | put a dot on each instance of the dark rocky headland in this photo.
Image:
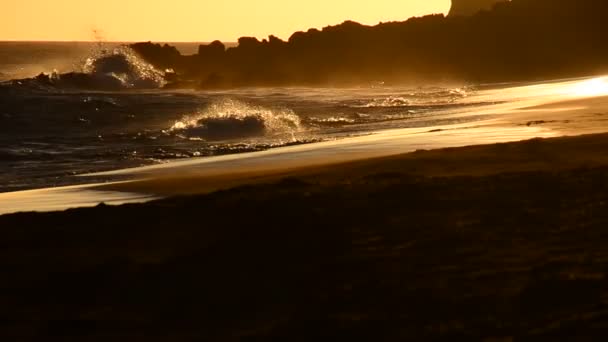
(513, 41)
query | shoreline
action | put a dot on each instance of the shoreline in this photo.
(239, 168)
(191, 178)
(574, 107)
(534, 155)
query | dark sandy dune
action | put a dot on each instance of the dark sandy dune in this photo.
(511, 249)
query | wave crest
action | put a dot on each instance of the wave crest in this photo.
(106, 70)
(230, 119)
(123, 64)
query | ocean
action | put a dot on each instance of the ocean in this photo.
(50, 133)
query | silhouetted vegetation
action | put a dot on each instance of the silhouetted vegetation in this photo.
(517, 40)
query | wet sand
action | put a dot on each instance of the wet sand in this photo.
(496, 243)
(62, 198)
(543, 155)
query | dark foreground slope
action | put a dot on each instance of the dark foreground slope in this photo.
(516, 40)
(375, 256)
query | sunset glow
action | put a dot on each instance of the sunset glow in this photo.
(193, 20)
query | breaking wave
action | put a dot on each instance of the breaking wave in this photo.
(422, 97)
(106, 69)
(230, 119)
(123, 64)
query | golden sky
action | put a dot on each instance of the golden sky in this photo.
(193, 20)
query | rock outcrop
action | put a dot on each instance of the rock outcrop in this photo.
(513, 40)
(471, 7)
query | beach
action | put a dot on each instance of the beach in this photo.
(304, 171)
(496, 242)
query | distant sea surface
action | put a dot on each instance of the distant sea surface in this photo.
(49, 134)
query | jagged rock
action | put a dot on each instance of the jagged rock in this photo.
(216, 48)
(162, 56)
(249, 43)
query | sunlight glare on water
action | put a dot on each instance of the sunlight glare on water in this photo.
(590, 88)
(543, 93)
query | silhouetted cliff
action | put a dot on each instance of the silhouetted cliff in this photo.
(517, 40)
